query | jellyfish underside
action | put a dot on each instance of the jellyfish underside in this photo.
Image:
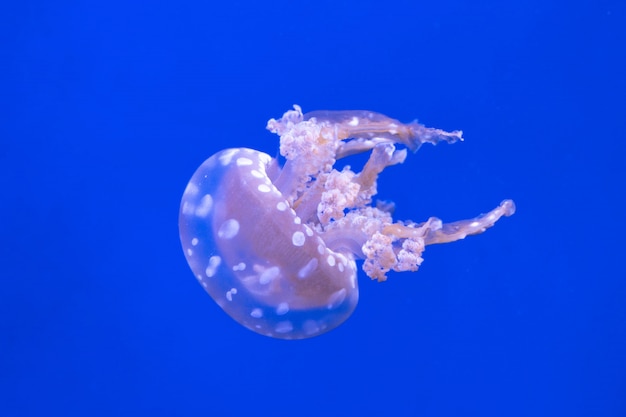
(339, 203)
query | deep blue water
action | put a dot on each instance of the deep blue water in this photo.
(107, 109)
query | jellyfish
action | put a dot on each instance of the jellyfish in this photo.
(277, 246)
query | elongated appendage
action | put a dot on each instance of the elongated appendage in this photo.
(435, 231)
(449, 232)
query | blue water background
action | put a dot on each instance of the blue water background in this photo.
(107, 108)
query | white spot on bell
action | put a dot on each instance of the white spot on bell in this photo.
(257, 313)
(230, 293)
(264, 188)
(281, 206)
(188, 208)
(227, 156)
(336, 299)
(214, 263)
(297, 238)
(264, 159)
(228, 229)
(243, 161)
(239, 267)
(282, 309)
(310, 327)
(204, 208)
(191, 189)
(307, 269)
(284, 327)
(269, 275)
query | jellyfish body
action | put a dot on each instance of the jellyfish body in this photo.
(275, 247)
